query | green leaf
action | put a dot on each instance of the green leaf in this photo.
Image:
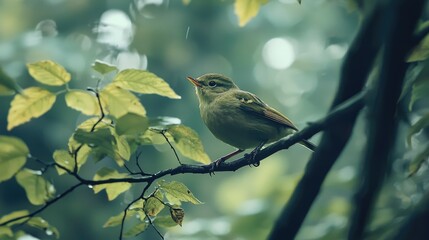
(247, 9)
(83, 102)
(13, 215)
(420, 89)
(142, 81)
(43, 225)
(153, 204)
(5, 231)
(176, 192)
(117, 219)
(103, 67)
(113, 190)
(131, 124)
(137, 206)
(188, 143)
(8, 86)
(105, 141)
(164, 221)
(65, 159)
(136, 229)
(13, 155)
(33, 103)
(49, 73)
(417, 162)
(37, 189)
(120, 101)
(421, 51)
(416, 127)
(101, 138)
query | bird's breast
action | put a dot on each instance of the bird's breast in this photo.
(235, 127)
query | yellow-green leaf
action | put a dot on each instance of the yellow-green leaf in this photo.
(177, 192)
(66, 160)
(103, 67)
(8, 86)
(13, 155)
(117, 219)
(136, 229)
(164, 221)
(49, 73)
(153, 204)
(83, 102)
(5, 231)
(138, 205)
(151, 137)
(120, 101)
(13, 215)
(247, 9)
(102, 141)
(33, 103)
(38, 190)
(188, 143)
(42, 224)
(177, 214)
(142, 81)
(113, 190)
(417, 162)
(131, 124)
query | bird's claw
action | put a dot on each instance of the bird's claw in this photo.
(251, 158)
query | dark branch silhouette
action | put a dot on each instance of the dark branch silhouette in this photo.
(355, 70)
(402, 16)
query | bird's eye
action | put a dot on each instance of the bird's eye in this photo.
(212, 84)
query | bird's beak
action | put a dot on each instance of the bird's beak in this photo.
(194, 81)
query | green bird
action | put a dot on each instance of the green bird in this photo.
(239, 118)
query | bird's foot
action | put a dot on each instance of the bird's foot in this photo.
(214, 165)
(251, 157)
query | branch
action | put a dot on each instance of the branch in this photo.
(47, 204)
(355, 70)
(402, 16)
(343, 111)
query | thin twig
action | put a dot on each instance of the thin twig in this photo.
(47, 204)
(162, 132)
(151, 223)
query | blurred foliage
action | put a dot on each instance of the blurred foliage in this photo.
(175, 39)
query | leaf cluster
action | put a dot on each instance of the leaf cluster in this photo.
(117, 125)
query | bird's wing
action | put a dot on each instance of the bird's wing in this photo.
(252, 104)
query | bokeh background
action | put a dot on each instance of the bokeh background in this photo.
(289, 55)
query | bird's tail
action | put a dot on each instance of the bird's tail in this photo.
(308, 145)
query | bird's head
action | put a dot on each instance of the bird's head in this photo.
(211, 85)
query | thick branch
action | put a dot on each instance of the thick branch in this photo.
(354, 72)
(402, 17)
